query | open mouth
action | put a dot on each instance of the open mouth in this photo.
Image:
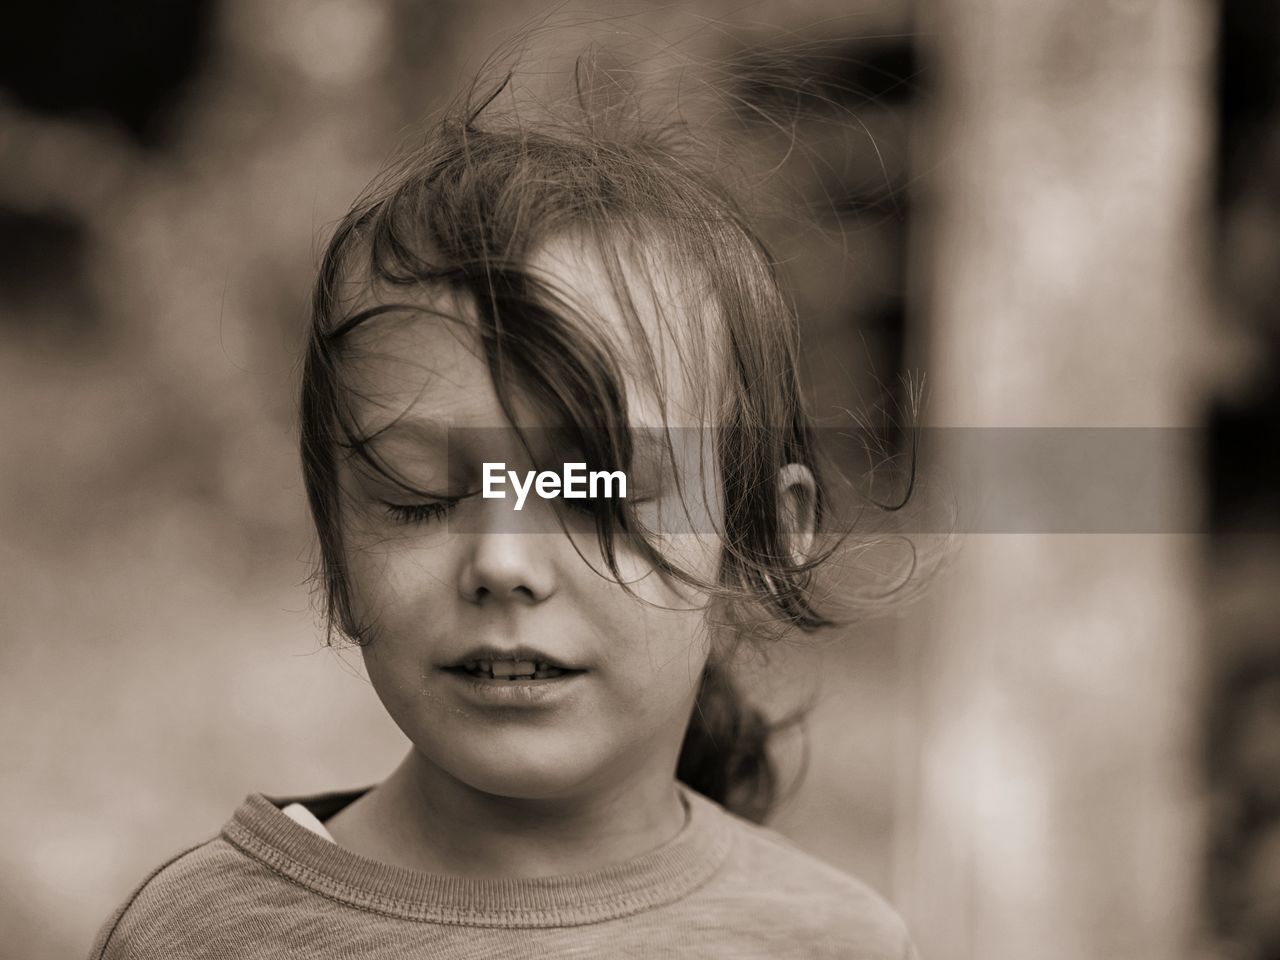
(512, 671)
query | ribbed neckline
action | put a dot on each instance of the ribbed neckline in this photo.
(688, 860)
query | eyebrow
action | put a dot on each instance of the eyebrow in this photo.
(360, 317)
(425, 429)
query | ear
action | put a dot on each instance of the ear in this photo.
(797, 503)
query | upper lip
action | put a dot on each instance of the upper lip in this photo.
(493, 652)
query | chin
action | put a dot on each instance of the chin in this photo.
(541, 770)
(532, 782)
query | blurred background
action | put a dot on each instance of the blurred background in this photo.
(1058, 215)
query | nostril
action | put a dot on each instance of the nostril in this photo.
(497, 575)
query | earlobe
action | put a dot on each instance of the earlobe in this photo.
(797, 500)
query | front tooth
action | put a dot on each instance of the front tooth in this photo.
(513, 668)
(484, 665)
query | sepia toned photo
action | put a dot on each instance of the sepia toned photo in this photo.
(686, 479)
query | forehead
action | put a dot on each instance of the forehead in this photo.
(657, 322)
(425, 362)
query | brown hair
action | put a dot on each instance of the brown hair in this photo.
(462, 213)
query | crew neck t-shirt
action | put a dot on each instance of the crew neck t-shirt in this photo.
(269, 886)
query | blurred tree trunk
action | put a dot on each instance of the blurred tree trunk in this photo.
(1063, 204)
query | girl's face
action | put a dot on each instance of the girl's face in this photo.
(484, 582)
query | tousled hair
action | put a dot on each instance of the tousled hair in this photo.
(462, 214)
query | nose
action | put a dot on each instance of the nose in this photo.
(504, 566)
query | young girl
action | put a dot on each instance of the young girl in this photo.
(519, 298)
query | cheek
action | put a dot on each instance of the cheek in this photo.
(685, 527)
(399, 675)
(667, 596)
(395, 676)
(394, 582)
(397, 591)
(659, 637)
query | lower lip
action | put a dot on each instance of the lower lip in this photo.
(514, 693)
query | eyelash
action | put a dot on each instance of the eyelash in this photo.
(417, 513)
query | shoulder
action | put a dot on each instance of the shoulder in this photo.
(187, 906)
(809, 903)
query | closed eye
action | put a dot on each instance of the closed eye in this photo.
(417, 513)
(591, 507)
(585, 505)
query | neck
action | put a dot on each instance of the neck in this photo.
(424, 819)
